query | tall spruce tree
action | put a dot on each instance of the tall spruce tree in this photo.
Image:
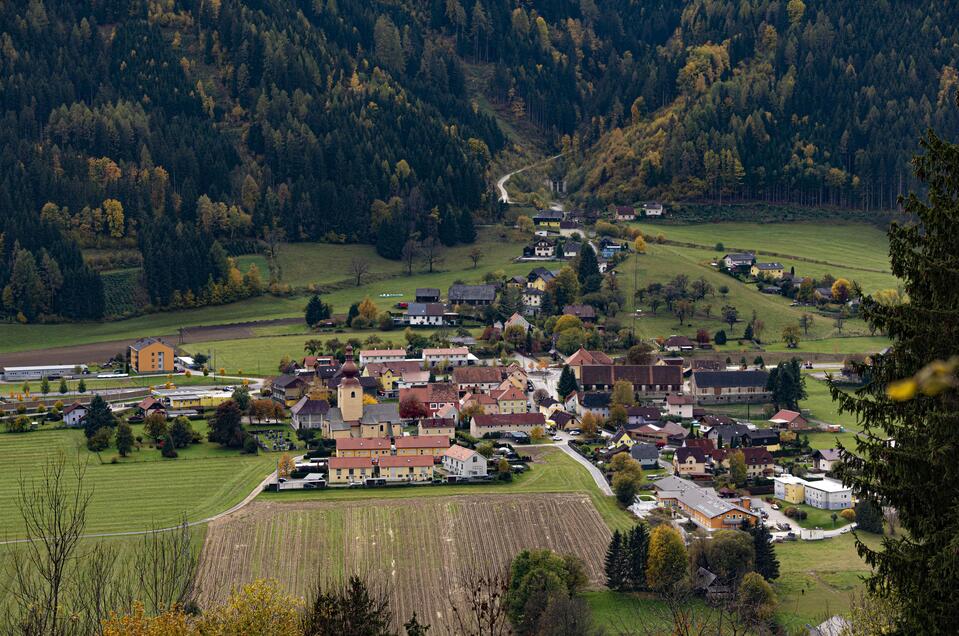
(637, 552)
(787, 384)
(467, 230)
(567, 383)
(767, 564)
(98, 416)
(918, 570)
(617, 569)
(587, 270)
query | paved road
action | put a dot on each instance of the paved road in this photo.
(501, 183)
(597, 474)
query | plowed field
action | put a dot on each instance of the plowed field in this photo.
(419, 549)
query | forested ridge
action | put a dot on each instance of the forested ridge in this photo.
(173, 133)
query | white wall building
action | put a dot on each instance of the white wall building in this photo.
(464, 462)
(381, 355)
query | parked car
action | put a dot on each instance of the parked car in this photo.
(576, 431)
(556, 438)
(775, 506)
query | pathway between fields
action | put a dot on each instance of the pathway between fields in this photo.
(131, 533)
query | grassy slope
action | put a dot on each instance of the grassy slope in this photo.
(137, 493)
(554, 471)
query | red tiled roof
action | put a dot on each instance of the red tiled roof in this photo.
(422, 441)
(350, 462)
(396, 461)
(460, 453)
(478, 375)
(514, 419)
(362, 443)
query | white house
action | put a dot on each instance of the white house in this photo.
(825, 459)
(456, 356)
(739, 260)
(680, 405)
(74, 414)
(464, 462)
(544, 248)
(381, 355)
(653, 209)
(827, 494)
(429, 315)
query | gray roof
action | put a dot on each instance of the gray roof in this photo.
(774, 265)
(425, 309)
(427, 291)
(388, 412)
(829, 454)
(640, 452)
(306, 406)
(740, 256)
(729, 379)
(459, 293)
(704, 500)
(596, 399)
(549, 214)
(145, 342)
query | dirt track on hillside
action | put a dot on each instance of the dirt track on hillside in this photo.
(97, 352)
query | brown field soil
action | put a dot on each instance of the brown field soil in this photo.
(98, 352)
(418, 550)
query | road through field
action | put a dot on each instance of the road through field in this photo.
(501, 183)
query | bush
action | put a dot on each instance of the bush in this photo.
(720, 337)
(250, 447)
(848, 514)
(100, 440)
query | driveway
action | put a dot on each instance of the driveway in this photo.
(597, 474)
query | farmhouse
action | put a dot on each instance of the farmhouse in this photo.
(596, 403)
(767, 270)
(288, 389)
(434, 445)
(151, 355)
(739, 260)
(650, 381)
(464, 462)
(680, 406)
(472, 295)
(625, 213)
(308, 413)
(349, 470)
(825, 459)
(653, 209)
(789, 420)
(827, 494)
(515, 423)
(679, 343)
(406, 468)
(362, 447)
(428, 315)
(586, 313)
(73, 415)
(544, 248)
(703, 506)
(444, 426)
(369, 356)
(716, 387)
(548, 219)
(427, 295)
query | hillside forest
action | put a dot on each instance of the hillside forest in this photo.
(161, 138)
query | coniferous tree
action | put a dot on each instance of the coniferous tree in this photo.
(617, 569)
(898, 460)
(637, 552)
(567, 383)
(98, 416)
(317, 310)
(868, 517)
(448, 230)
(767, 564)
(587, 271)
(465, 226)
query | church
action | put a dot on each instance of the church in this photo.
(351, 417)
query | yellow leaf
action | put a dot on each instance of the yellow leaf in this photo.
(902, 390)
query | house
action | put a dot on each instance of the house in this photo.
(515, 423)
(308, 413)
(826, 494)
(532, 300)
(539, 278)
(434, 396)
(621, 439)
(472, 295)
(764, 437)
(350, 470)
(571, 249)
(823, 294)
(583, 357)
(660, 434)
(391, 374)
(586, 313)
(689, 461)
(679, 343)
(517, 320)
(608, 248)
(571, 227)
(759, 461)
(729, 435)
(789, 420)
(368, 356)
(602, 263)
(444, 426)
(428, 315)
(288, 389)
(715, 387)
(510, 400)
(596, 402)
(454, 356)
(625, 213)
(434, 445)
(548, 219)
(477, 379)
(703, 506)
(563, 420)
(406, 468)
(484, 401)
(149, 405)
(706, 364)
(680, 406)
(646, 454)
(649, 381)
(825, 459)
(544, 248)
(464, 462)
(639, 415)
(427, 295)
(739, 261)
(767, 270)
(73, 414)
(151, 355)
(362, 447)
(700, 442)
(653, 209)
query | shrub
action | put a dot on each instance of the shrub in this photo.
(848, 514)
(250, 447)
(791, 512)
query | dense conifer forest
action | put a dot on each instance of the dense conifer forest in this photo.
(167, 135)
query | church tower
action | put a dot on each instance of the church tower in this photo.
(349, 394)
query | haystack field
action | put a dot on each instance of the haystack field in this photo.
(418, 549)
